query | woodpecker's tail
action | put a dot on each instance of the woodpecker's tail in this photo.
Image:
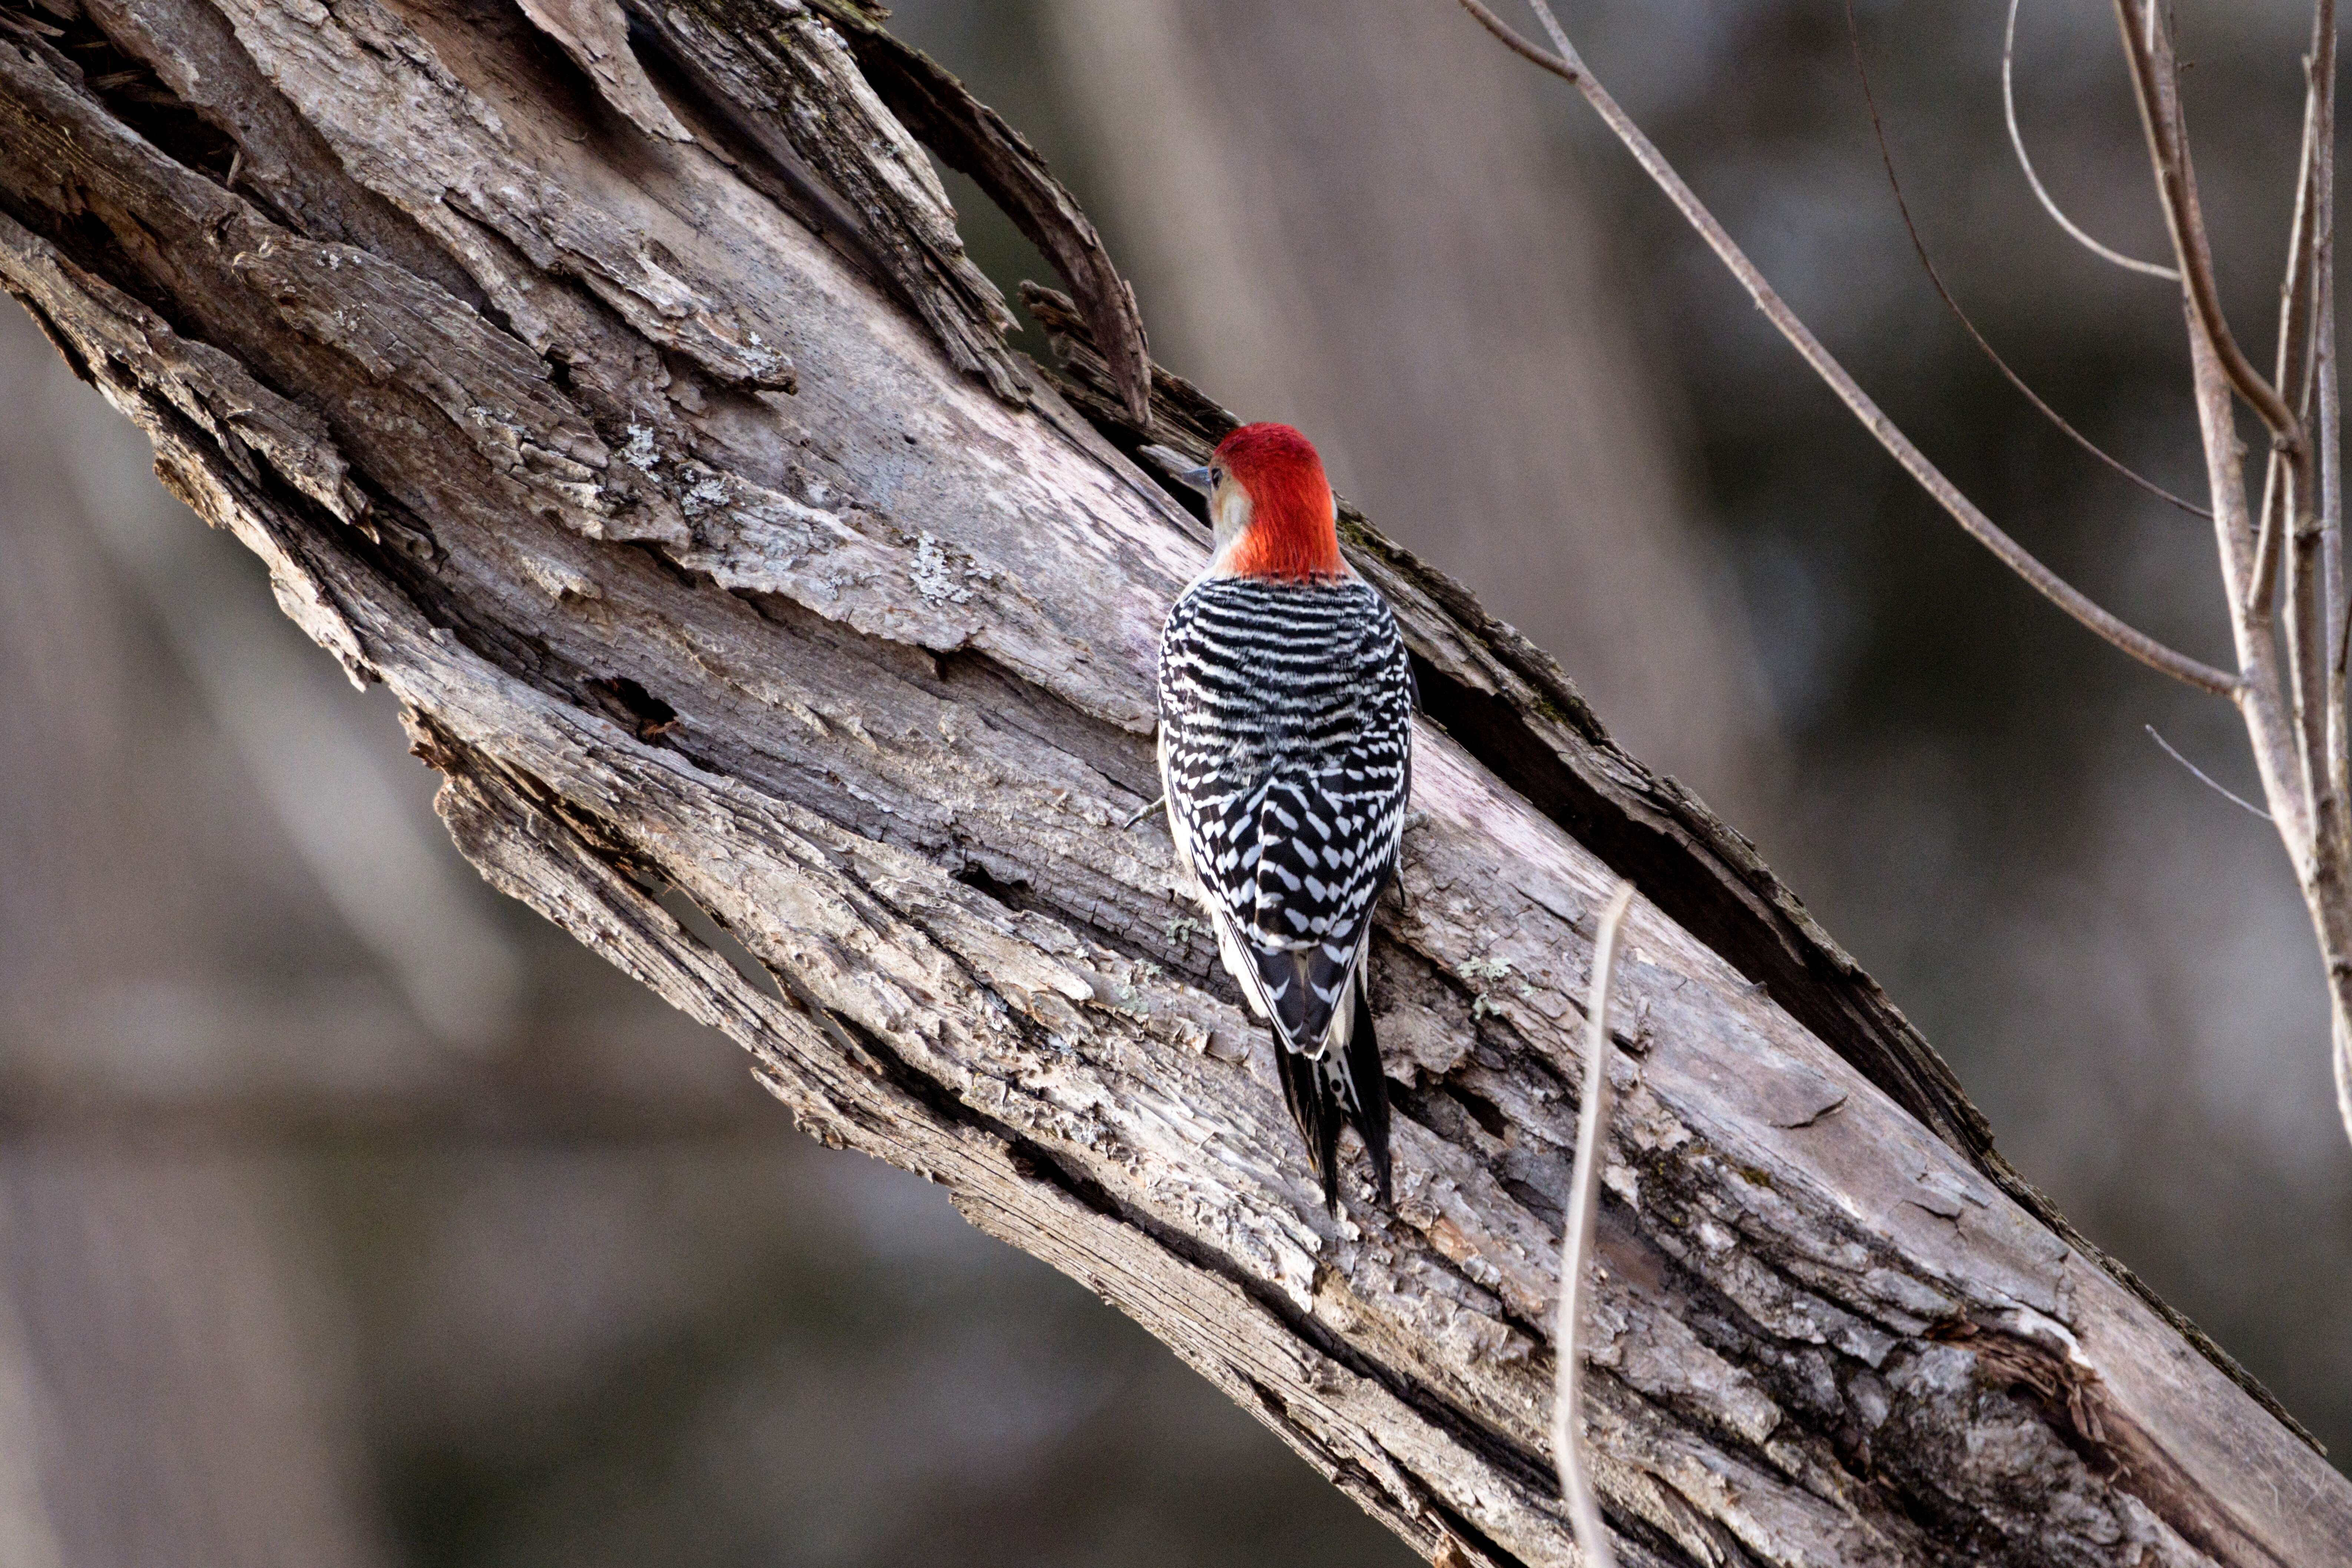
(1317, 1111)
(1345, 1084)
(1369, 1089)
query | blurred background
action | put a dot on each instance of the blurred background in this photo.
(348, 1214)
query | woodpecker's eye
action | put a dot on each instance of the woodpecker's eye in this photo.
(1216, 475)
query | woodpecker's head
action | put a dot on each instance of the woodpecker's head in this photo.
(1271, 506)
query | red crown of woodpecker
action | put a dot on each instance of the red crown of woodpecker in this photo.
(1292, 529)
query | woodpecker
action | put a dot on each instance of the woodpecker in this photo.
(1285, 751)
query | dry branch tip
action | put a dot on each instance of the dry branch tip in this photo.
(2049, 203)
(1576, 1245)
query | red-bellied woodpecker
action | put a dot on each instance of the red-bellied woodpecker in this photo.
(1285, 747)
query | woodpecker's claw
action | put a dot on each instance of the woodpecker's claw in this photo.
(1147, 810)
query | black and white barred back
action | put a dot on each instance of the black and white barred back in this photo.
(1285, 747)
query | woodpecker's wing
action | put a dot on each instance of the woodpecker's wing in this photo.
(1285, 742)
(1325, 840)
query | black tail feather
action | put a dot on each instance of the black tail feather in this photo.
(1316, 1111)
(1371, 1087)
(1324, 1095)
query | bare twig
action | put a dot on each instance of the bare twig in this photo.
(2149, 48)
(2316, 602)
(2262, 587)
(2296, 301)
(2331, 449)
(1558, 34)
(1570, 68)
(1887, 156)
(2232, 796)
(2296, 729)
(2017, 140)
(2336, 615)
(2261, 696)
(1576, 1247)
(2306, 607)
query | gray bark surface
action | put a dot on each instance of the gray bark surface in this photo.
(640, 424)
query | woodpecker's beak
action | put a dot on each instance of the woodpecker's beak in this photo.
(1196, 478)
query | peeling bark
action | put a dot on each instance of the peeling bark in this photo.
(641, 425)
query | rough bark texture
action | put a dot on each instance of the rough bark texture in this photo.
(642, 425)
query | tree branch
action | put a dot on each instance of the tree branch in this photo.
(2335, 615)
(2297, 298)
(2201, 776)
(2129, 639)
(2147, 43)
(2308, 612)
(491, 381)
(1919, 247)
(2049, 204)
(1576, 1245)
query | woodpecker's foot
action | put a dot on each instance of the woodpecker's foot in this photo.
(1147, 810)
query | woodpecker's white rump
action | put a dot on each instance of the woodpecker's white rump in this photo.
(1285, 748)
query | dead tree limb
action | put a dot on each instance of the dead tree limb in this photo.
(642, 425)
